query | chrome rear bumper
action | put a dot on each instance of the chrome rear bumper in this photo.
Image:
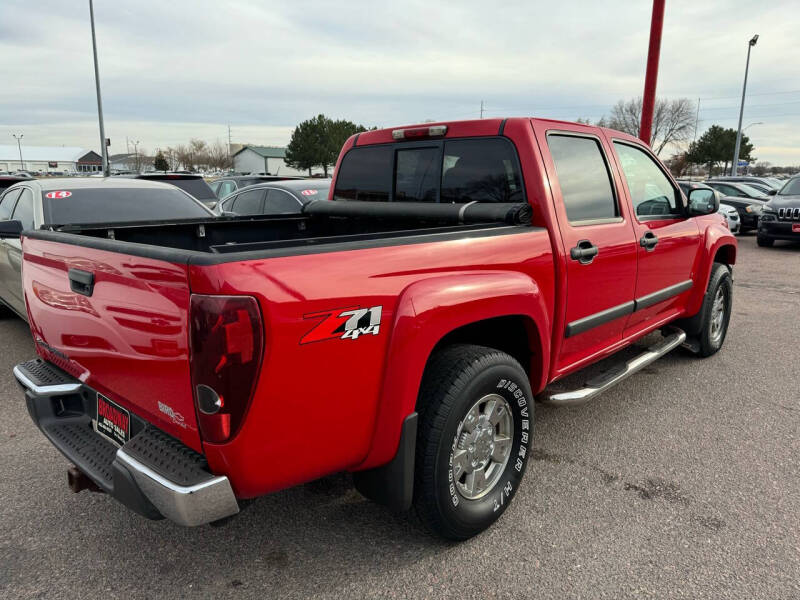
(178, 485)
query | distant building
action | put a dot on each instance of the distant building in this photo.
(127, 162)
(269, 160)
(91, 162)
(49, 159)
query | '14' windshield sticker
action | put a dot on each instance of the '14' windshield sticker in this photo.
(344, 324)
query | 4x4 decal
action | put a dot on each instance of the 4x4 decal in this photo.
(346, 324)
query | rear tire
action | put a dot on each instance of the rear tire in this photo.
(716, 310)
(764, 242)
(475, 433)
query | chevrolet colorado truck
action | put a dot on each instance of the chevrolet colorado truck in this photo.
(400, 329)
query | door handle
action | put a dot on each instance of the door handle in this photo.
(648, 241)
(81, 282)
(584, 252)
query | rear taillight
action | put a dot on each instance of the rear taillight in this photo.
(227, 344)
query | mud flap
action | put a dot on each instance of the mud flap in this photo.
(392, 484)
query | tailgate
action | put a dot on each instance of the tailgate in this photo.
(117, 322)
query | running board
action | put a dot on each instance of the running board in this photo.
(597, 385)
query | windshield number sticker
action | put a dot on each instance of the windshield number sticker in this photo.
(59, 194)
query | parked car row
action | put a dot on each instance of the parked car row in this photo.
(766, 185)
(41, 203)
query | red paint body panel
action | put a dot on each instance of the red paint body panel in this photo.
(337, 404)
(129, 340)
(348, 389)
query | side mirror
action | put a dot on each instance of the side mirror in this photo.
(227, 213)
(702, 202)
(772, 192)
(10, 229)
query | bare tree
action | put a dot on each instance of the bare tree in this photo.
(198, 150)
(673, 120)
(218, 155)
(140, 159)
(184, 156)
(172, 158)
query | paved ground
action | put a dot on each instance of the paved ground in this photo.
(683, 482)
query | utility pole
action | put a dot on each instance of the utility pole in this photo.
(651, 76)
(136, 155)
(19, 147)
(229, 147)
(735, 164)
(103, 147)
(481, 109)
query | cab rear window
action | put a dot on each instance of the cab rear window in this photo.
(453, 171)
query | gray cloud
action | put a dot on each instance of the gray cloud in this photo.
(171, 70)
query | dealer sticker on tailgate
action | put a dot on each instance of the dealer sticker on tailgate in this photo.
(113, 421)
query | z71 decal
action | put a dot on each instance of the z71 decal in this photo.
(344, 324)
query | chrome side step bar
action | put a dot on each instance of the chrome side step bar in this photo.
(597, 385)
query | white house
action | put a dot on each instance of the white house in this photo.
(270, 160)
(49, 159)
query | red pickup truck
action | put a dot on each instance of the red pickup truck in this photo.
(400, 329)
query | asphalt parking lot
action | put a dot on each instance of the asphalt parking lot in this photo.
(682, 482)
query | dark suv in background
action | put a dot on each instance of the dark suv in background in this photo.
(780, 217)
(188, 182)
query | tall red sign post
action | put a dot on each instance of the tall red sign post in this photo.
(649, 100)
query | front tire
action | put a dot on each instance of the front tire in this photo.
(716, 310)
(475, 433)
(764, 242)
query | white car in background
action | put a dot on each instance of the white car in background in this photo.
(732, 215)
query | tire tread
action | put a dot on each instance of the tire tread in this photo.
(448, 371)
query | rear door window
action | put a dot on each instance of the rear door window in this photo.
(584, 178)
(729, 191)
(24, 210)
(249, 203)
(7, 204)
(280, 202)
(225, 188)
(196, 186)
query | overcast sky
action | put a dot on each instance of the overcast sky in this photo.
(172, 70)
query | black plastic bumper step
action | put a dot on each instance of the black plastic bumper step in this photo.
(45, 379)
(168, 457)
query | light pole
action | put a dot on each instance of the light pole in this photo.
(103, 148)
(735, 165)
(19, 146)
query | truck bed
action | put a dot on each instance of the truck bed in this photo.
(323, 227)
